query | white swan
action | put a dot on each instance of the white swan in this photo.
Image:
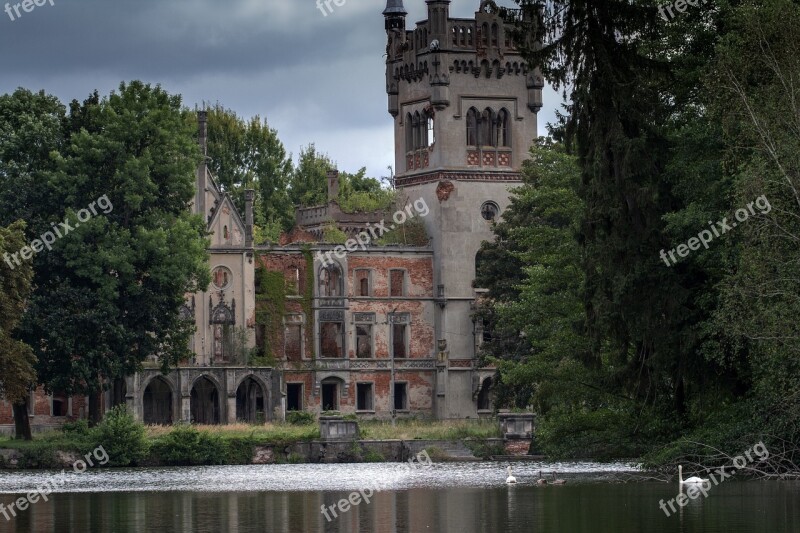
(688, 481)
(510, 479)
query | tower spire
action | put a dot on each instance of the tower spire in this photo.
(394, 8)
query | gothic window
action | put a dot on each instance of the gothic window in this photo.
(431, 138)
(469, 37)
(225, 234)
(485, 34)
(455, 36)
(472, 127)
(495, 35)
(487, 128)
(221, 276)
(417, 131)
(409, 133)
(503, 128)
(330, 281)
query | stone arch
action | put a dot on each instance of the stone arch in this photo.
(157, 402)
(251, 400)
(485, 394)
(205, 400)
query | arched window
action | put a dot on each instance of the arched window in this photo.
(485, 34)
(431, 137)
(469, 36)
(462, 33)
(472, 127)
(503, 128)
(455, 36)
(409, 133)
(330, 281)
(495, 34)
(417, 136)
(487, 128)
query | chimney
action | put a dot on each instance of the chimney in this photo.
(249, 196)
(333, 185)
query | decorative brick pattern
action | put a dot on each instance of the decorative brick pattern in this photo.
(504, 159)
(488, 159)
(473, 159)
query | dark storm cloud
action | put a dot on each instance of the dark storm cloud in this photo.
(315, 78)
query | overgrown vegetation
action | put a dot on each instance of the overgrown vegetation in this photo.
(669, 126)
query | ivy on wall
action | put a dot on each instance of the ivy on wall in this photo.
(270, 309)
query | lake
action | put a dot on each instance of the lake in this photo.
(445, 497)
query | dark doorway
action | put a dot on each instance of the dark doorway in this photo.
(158, 403)
(330, 397)
(205, 402)
(294, 396)
(250, 402)
(400, 396)
(485, 395)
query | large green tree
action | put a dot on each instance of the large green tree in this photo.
(108, 294)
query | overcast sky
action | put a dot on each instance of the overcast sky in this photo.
(315, 78)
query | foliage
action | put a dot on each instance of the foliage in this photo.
(111, 289)
(16, 358)
(122, 437)
(247, 154)
(332, 234)
(412, 233)
(300, 418)
(185, 445)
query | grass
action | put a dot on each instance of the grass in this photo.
(285, 434)
(430, 430)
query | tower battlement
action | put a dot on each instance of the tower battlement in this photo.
(462, 96)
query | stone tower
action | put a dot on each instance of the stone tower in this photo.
(465, 108)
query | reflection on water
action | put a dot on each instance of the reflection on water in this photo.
(459, 498)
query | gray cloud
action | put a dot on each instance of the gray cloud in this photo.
(315, 78)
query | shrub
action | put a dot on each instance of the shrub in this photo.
(77, 428)
(185, 446)
(122, 437)
(39, 455)
(300, 418)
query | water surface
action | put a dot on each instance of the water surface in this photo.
(447, 497)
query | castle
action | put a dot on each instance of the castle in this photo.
(381, 331)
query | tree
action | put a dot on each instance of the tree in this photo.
(248, 155)
(108, 295)
(17, 374)
(309, 184)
